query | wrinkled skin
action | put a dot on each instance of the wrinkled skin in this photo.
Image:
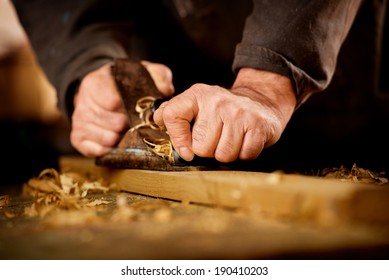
(204, 120)
(229, 123)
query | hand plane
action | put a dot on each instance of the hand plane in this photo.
(144, 145)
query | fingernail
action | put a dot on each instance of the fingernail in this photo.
(186, 153)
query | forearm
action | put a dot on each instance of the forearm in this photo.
(297, 39)
(273, 90)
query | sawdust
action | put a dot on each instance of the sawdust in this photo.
(71, 199)
(72, 217)
(355, 174)
(123, 212)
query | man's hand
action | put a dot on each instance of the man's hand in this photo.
(99, 119)
(210, 121)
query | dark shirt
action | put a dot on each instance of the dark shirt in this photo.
(297, 38)
(331, 46)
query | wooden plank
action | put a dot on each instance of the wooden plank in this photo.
(184, 231)
(153, 228)
(297, 198)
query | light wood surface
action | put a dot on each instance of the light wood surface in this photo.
(233, 215)
(297, 198)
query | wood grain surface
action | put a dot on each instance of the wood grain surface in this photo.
(201, 215)
(300, 198)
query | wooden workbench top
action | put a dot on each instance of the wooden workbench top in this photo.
(201, 215)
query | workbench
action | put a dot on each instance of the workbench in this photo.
(202, 215)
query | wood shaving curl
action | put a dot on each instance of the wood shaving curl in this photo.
(52, 190)
(143, 107)
(162, 148)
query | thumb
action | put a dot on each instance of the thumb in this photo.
(162, 77)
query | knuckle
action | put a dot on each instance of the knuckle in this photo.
(87, 81)
(169, 114)
(238, 112)
(197, 88)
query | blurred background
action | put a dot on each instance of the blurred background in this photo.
(33, 133)
(346, 124)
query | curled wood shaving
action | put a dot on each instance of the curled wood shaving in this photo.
(88, 187)
(143, 107)
(58, 200)
(355, 174)
(161, 147)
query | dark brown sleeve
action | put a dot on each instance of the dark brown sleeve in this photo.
(300, 39)
(72, 38)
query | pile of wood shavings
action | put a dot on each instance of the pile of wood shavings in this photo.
(355, 174)
(71, 199)
(52, 190)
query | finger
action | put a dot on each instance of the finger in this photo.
(157, 116)
(114, 121)
(176, 116)
(253, 144)
(162, 77)
(92, 149)
(88, 131)
(206, 132)
(230, 143)
(91, 113)
(86, 110)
